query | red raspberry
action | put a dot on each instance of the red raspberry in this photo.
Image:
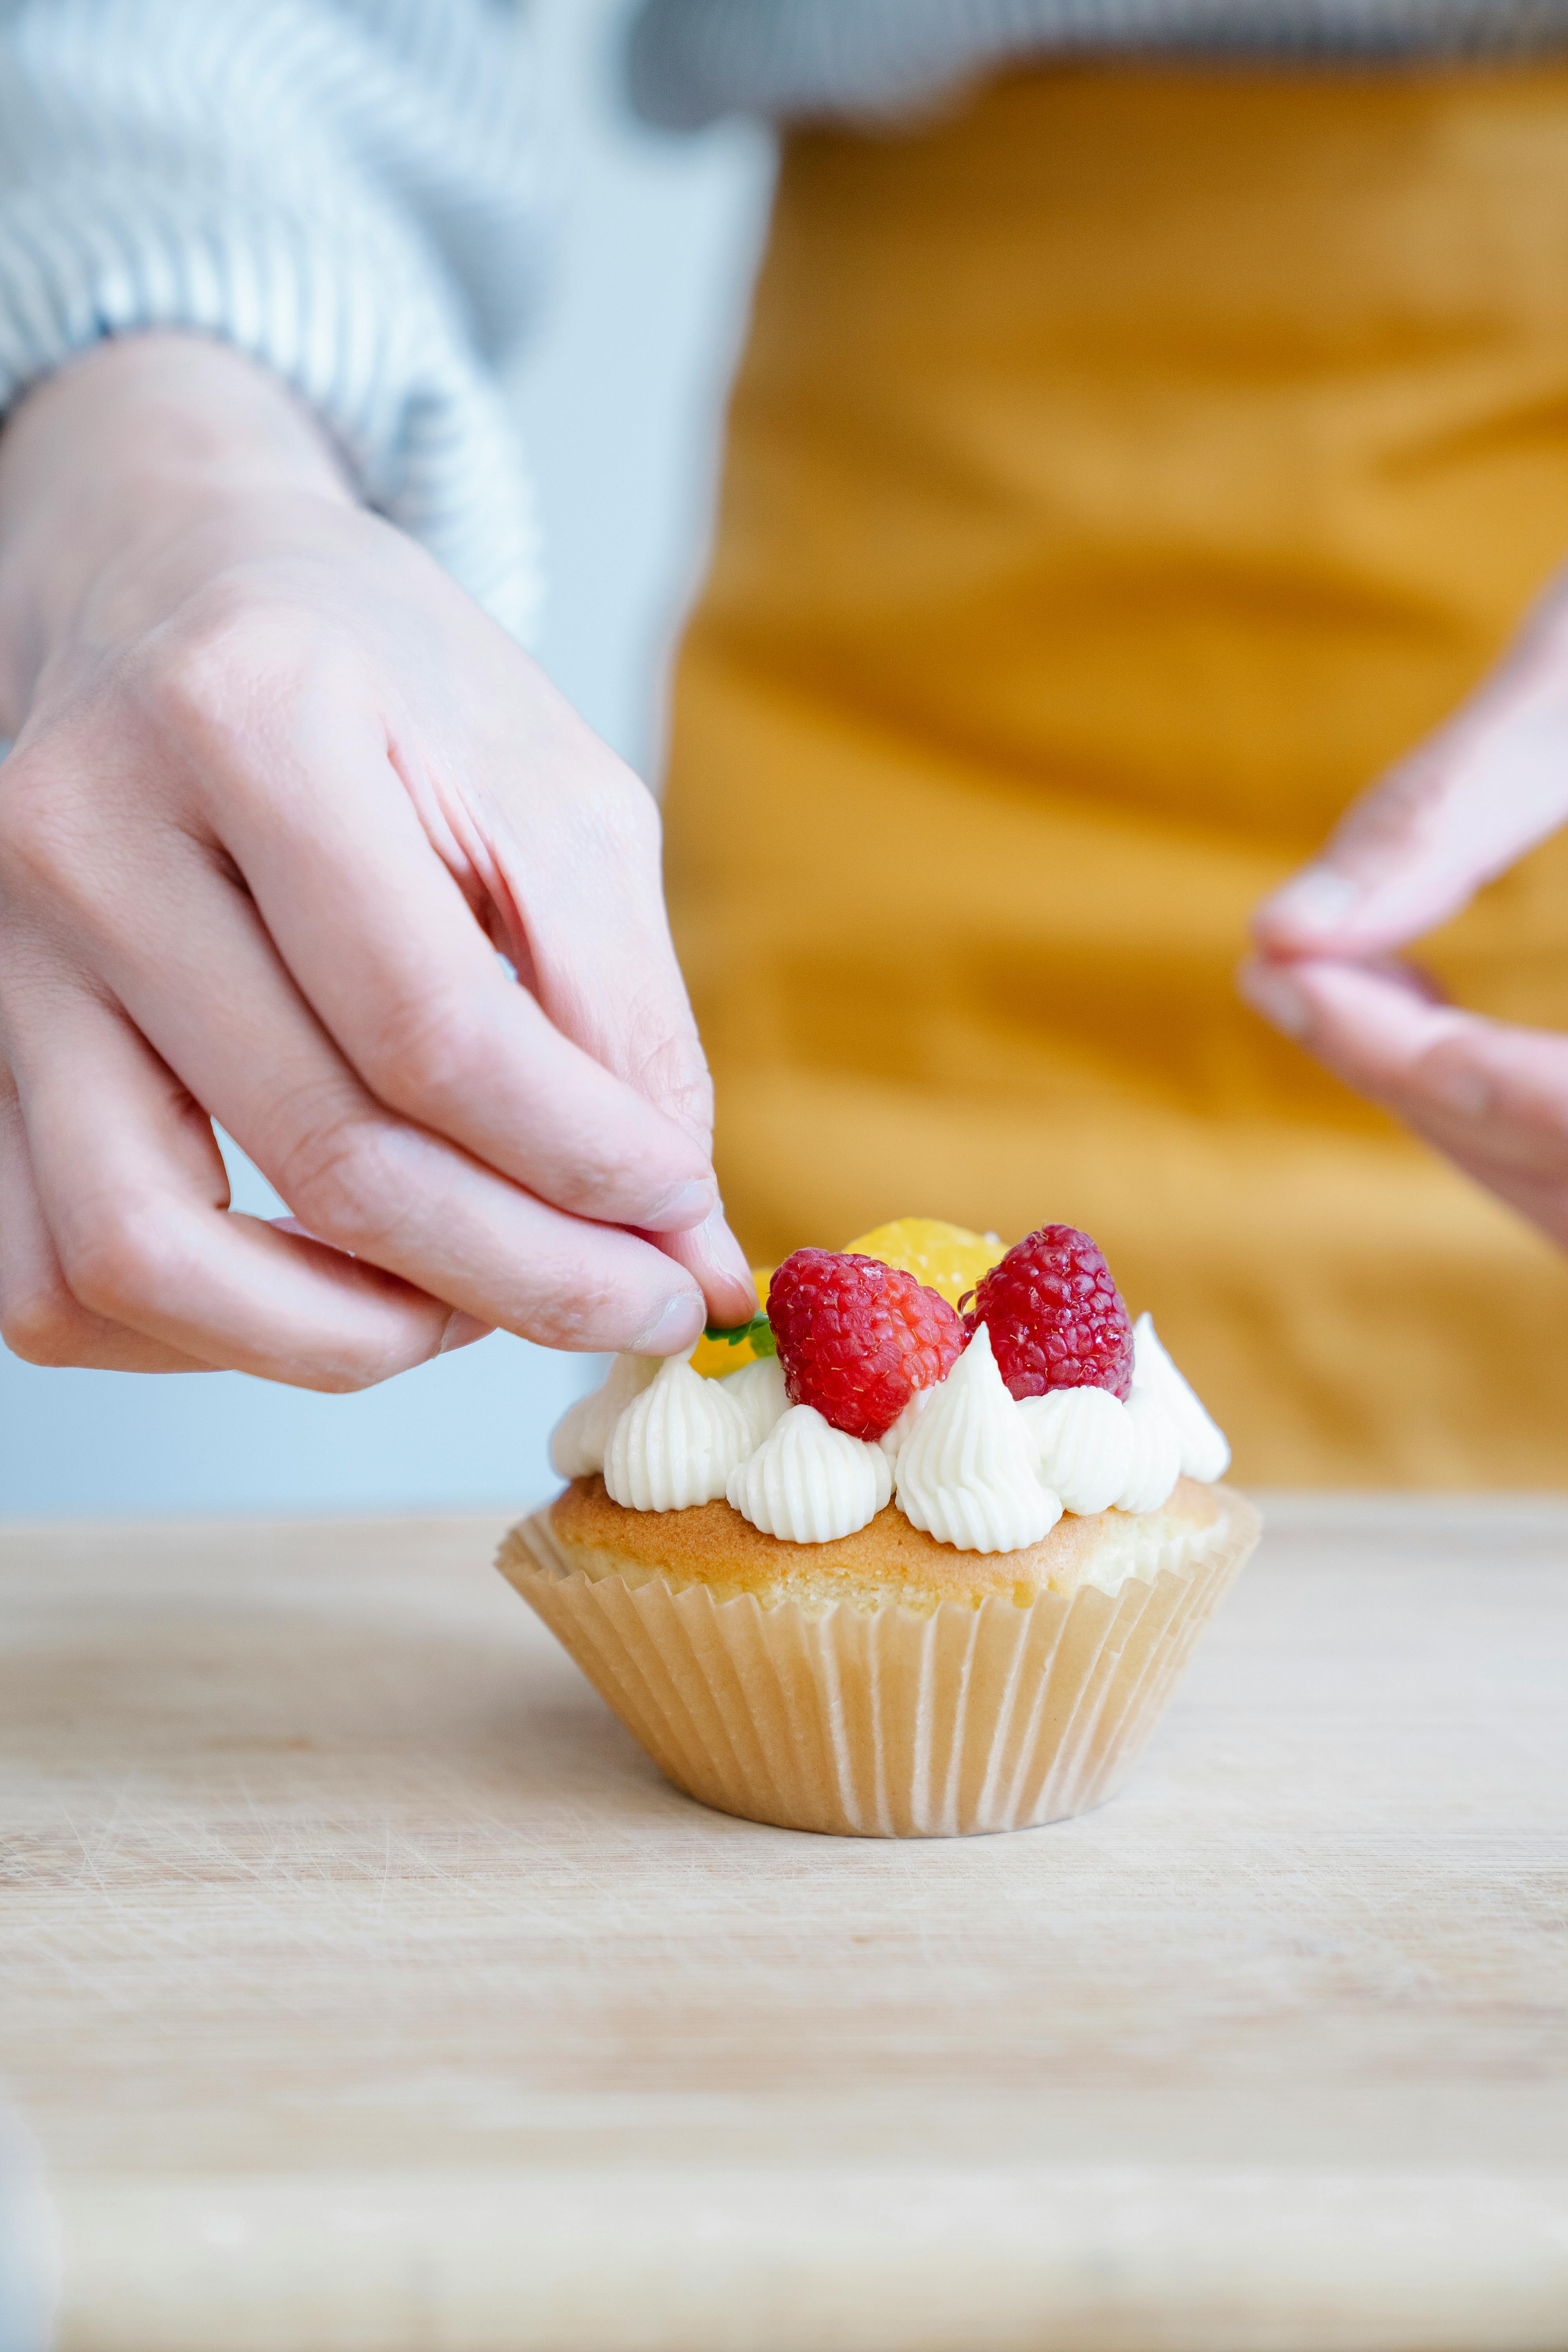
(1055, 1316)
(856, 1338)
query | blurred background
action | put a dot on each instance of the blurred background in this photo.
(621, 396)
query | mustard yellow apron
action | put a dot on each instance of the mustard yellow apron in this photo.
(1122, 472)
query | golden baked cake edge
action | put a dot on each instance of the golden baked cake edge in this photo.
(889, 1560)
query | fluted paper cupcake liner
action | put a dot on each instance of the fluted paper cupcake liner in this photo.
(880, 1723)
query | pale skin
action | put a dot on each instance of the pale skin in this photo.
(1409, 853)
(279, 792)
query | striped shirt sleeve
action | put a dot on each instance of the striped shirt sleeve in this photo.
(346, 190)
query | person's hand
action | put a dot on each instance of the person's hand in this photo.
(280, 792)
(1410, 853)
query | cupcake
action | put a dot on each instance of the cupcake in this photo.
(926, 1562)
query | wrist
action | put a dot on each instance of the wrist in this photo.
(146, 445)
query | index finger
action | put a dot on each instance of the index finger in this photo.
(1492, 1095)
(315, 807)
(1460, 810)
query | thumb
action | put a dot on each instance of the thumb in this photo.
(1415, 850)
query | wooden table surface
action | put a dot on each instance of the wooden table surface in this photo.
(365, 1990)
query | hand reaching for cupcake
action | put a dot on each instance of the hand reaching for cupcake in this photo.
(1410, 853)
(278, 794)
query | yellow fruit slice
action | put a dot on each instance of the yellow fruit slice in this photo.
(947, 1258)
(950, 1259)
(714, 1358)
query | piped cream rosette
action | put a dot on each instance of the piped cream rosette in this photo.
(966, 1463)
(970, 1625)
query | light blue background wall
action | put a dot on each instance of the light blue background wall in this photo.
(620, 398)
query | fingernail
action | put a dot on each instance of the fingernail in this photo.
(1458, 1088)
(1270, 990)
(687, 1206)
(1319, 899)
(678, 1324)
(723, 1249)
(461, 1332)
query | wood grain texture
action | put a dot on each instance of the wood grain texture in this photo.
(368, 1992)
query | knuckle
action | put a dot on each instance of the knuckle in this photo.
(236, 664)
(577, 1309)
(39, 847)
(637, 825)
(423, 1055)
(351, 1373)
(637, 813)
(673, 1071)
(196, 681)
(45, 1326)
(117, 1261)
(572, 1326)
(344, 1378)
(620, 816)
(665, 1061)
(337, 1177)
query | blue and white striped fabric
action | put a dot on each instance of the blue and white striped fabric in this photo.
(348, 190)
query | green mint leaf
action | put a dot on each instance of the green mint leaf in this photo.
(759, 1331)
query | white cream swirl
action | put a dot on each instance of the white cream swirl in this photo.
(758, 1389)
(676, 1444)
(967, 1473)
(810, 1483)
(578, 1440)
(1156, 1463)
(1204, 1451)
(892, 1441)
(1084, 1442)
